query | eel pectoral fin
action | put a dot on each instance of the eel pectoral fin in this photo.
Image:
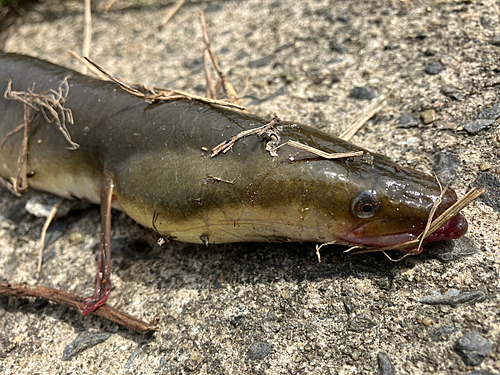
(103, 282)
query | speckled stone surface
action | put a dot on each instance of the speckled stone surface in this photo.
(272, 308)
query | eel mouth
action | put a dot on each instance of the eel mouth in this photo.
(384, 233)
(366, 234)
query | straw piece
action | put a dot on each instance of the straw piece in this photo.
(49, 219)
(158, 94)
(171, 12)
(87, 31)
(358, 124)
(323, 154)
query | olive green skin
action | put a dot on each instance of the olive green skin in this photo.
(157, 157)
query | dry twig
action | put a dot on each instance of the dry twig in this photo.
(208, 53)
(109, 5)
(76, 302)
(270, 132)
(228, 144)
(158, 94)
(211, 177)
(171, 12)
(48, 220)
(51, 105)
(91, 67)
(87, 32)
(323, 154)
(358, 124)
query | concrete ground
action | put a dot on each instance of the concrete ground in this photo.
(272, 308)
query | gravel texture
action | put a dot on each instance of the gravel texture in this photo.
(272, 308)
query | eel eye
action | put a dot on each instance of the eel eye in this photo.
(366, 204)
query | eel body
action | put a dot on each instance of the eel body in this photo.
(153, 162)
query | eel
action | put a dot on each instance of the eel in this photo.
(153, 162)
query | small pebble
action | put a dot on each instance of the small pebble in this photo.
(434, 68)
(428, 116)
(362, 93)
(485, 166)
(355, 355)
(476, 126)
(486, 21)
(76, 237)
(319, 98)
(238, 321)
(349, 308)
(337, 47)
(270, 327)
(391, 46)
(361, 324)
(259, 63)
(427, 321)
(448, 251)
(443, 333)
(84, 341)
(384, 364)
(258, 351)
(445, 166)
(453, 297)
(271, 317)
(484, 119)
(491, 197)
(473, 348)
(452, 92)
(431, 52)
(495, 40)
(406, 121)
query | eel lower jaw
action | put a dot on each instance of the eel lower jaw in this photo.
(454, 228)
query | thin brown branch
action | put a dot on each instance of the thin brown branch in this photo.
(76, 302)
(358, 124)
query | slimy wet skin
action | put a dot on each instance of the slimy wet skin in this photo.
(153, 162)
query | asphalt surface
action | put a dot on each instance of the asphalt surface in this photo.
(272, 308)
